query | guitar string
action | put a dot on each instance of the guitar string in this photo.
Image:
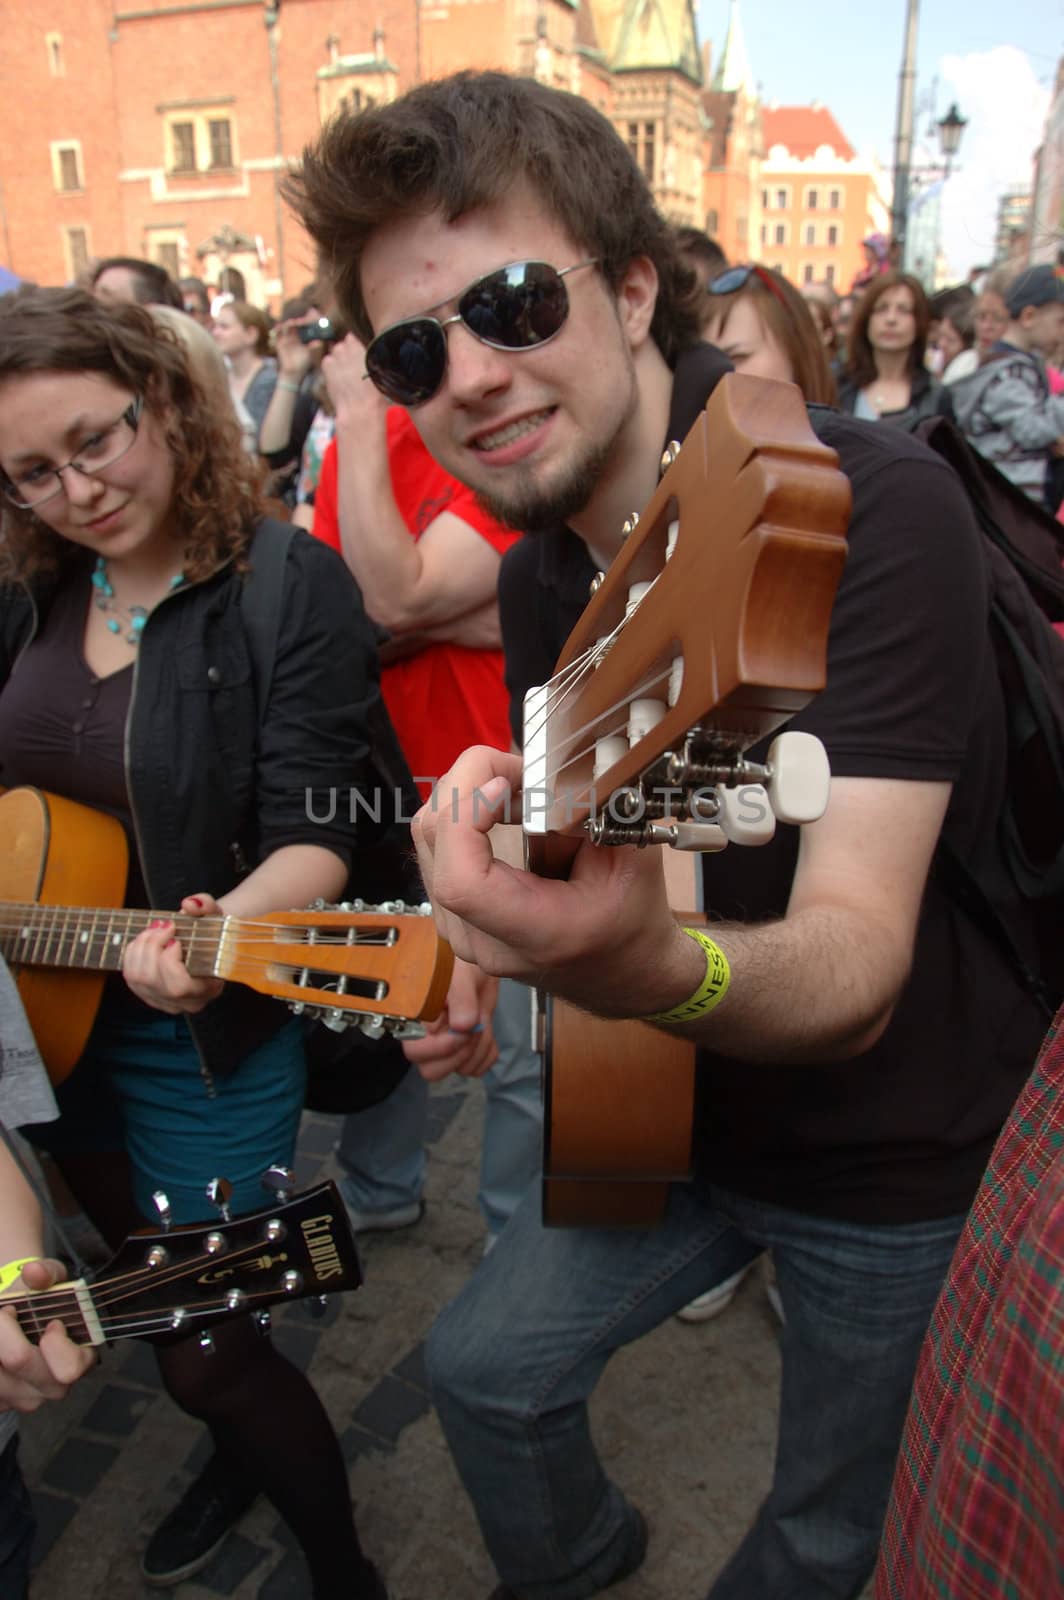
(569, 760)
(156, 1321)
(563, 684)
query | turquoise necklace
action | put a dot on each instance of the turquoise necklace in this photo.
(135, 616)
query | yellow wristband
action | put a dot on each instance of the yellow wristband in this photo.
(13, 1271)
(710, 991)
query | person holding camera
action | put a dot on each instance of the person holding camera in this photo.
(298, 424)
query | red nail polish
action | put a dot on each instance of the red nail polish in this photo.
(157, 922)
(168, 943)
(197, 900)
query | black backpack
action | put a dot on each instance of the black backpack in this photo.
(1024, 549)
(347, 1071)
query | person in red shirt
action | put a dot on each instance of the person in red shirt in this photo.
(426, 556)
(441, 672)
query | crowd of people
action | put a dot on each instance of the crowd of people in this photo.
(533, 332)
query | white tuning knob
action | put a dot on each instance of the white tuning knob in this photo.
(799, 780)
(745, 814)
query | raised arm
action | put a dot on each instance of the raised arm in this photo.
(408, 584)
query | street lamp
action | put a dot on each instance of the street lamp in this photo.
(950, 127)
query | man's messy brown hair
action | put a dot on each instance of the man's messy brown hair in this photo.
(463, 142)
(216, 483)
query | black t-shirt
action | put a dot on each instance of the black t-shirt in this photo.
(902, 1132)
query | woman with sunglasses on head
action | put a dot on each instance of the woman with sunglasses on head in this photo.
(130, 525)
(886, 378)
(765, 328)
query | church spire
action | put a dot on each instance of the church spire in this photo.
(734, 70)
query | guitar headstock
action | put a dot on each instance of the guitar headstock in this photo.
(191, 1277)
(709, 629)
(345, 962)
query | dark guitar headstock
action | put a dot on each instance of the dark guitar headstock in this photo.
(190, 1277)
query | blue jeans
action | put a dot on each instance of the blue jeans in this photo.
(515, 1357)
(17, 1526)
(382, 1150)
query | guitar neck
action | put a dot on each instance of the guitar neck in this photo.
(95, 938)
(69, 1303)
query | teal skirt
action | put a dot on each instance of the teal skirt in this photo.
(138, 1087)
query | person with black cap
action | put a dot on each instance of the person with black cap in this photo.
(1005, 408)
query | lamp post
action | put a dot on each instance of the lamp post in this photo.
(924, 242)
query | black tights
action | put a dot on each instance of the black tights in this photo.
(264, 1414)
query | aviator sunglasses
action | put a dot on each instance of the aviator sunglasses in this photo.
(517, 307)
(732, 279)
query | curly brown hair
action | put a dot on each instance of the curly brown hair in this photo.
(461, 143)
(217, 496)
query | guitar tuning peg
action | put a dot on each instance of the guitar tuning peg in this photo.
(669, 454)
(279, 1181)
(262, 1322)
(206, 1343)
(629, 525)
(596, 583)
(162, 1207)
(219, 1193)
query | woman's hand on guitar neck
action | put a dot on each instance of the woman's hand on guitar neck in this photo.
(596, 937)
(31, 1374)
(460, 1039)
(155, 969)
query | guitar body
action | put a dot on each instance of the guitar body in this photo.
(59, 853)
(619, 1103)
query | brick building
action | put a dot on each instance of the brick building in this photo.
(162, 128)
(819, 198)
(731, 188)
(159, 128)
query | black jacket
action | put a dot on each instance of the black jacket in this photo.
(928, 398)
(214, 787)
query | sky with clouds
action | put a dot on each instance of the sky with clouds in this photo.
(997, 60)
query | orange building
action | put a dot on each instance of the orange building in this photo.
(162, 128)
(819, 199)
(731, 191)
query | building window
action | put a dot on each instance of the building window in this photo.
(812, 199)
(53, 43)
(648, 151)
(168, 256)
(810, 233)
(829, 272)
(76, 249)
(783, 199)
(764, 199)
(200, 140)
(221, 137)
(712, 222)
(834, 199)
(633, 140)
(780, 233)
(833, 234)
(183, 146)
(807, 272)
(66, 166)
(764, 233)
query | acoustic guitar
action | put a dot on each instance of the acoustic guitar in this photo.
(706, 634)
(196, 1276)
(62, 881)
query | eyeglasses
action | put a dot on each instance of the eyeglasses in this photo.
(32, 487)
(517, 307)
(735, 278)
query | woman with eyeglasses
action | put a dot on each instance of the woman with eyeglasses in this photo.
(886, 378)
(129, 530)
(765, 328)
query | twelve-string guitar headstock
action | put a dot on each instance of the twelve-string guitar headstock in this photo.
(708, 631)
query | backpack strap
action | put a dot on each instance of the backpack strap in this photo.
(260, 601)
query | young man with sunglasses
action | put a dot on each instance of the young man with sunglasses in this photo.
(496, 247)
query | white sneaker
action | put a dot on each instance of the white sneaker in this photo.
(386, 1221)
(706, 1306)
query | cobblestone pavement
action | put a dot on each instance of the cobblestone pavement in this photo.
(684, 1420)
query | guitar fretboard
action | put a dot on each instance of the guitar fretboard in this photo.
(95, 938)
